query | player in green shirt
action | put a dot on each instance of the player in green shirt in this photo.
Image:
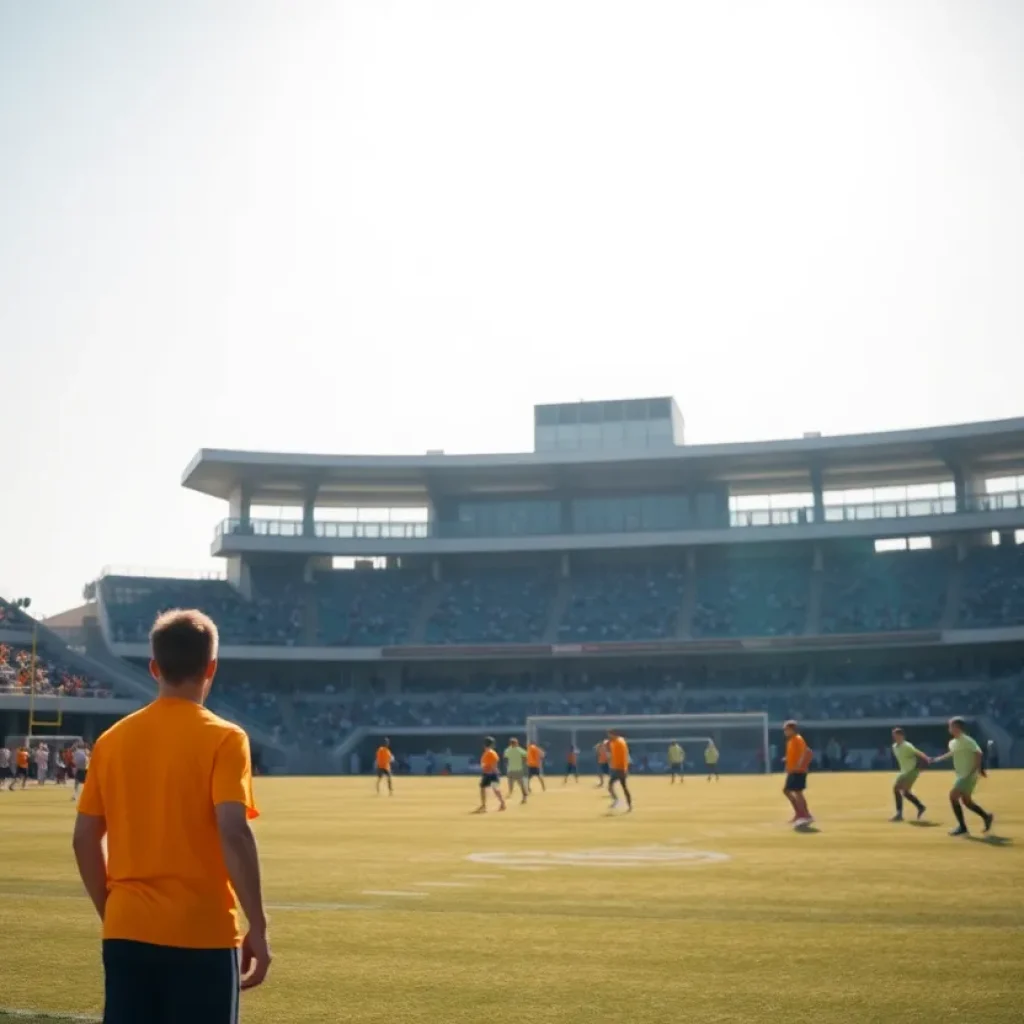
(967, 757)
(515, 766)
(909, 759)
(676, 757)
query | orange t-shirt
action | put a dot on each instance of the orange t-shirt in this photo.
(619, 754)
(796, 749)
(69, 758)
(166, 879)
(489, 762)
(602, 753)
(22, 761)
(534, 755)
(571, 758)
(383, 759)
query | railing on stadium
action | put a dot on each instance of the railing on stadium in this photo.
(799, 516)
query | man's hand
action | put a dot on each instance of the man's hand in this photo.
(255, 958)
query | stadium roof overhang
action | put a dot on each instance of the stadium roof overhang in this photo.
(758, 467)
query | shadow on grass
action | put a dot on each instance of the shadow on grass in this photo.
(807, 830)
(924, 824)
(991, 840)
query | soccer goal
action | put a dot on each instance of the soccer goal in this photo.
(742, 739)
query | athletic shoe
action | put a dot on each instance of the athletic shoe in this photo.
(896, 817)
(988, 823)
(920, 813)
(960, 830)
(615, 805)
(802, 821)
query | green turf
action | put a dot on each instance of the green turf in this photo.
(862, 921)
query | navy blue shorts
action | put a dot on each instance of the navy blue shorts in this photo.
(169, 985)
(570, 769)
(490, 779)
(603, 769)
(532, 773)
(618, 776)
(796, 782)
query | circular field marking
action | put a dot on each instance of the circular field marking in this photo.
(630, 857)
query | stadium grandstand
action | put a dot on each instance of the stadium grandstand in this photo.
(852, 582)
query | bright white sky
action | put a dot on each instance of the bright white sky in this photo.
(393, 226)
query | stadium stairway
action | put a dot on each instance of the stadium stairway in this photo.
(426, 611)
(559, 602)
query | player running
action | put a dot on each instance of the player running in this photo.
(909, 759)
(490, 777)
(798, 760)
(385, 759)
(515, 765)
(676, 760)
(618, 756)
(535, 765)
(572, 767)
(967, 758)
(711, 760)
(601, 750)
(5, 766)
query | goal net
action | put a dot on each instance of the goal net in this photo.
(741, 739)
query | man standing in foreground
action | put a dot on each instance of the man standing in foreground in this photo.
(170, 787)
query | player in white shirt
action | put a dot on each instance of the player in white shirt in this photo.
(81, 758)
(5, 766)
(42, 763)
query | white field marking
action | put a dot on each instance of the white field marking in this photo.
(489, 878)
(6, 1011)
(394, 892)
(636, 856)
(445, 885)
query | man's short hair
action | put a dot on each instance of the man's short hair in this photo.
(899, 731)
(960, 723)
(489, 741)
(184, 642)
(791, 724)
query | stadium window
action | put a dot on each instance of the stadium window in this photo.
(920, 544)
(890, 544)
(996, 539)
(1018, 536)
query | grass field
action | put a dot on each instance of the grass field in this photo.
(411, 909)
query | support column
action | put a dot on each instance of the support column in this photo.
(309, 509)
(239, 507)
(818, 491)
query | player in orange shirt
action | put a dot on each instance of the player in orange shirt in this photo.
(534, 765)
(385, 759)
(179, 851)
(601, 750)
(572, 764)
(490, 777)
(21, 759)
(618, 758)
(798, 760)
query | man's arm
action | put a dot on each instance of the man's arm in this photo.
(242, 859)
(941, 758)
(90, 858)
(979, 759)
(805, 761)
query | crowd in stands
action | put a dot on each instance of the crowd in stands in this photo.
(884, 592)
(859, 593)
(51, 678)
(614, 604)
(993, 588)
(767, 599)
(492, 606)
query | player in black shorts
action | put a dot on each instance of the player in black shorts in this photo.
(490, 777)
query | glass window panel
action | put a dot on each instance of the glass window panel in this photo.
(590, 412)
(568, 414)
